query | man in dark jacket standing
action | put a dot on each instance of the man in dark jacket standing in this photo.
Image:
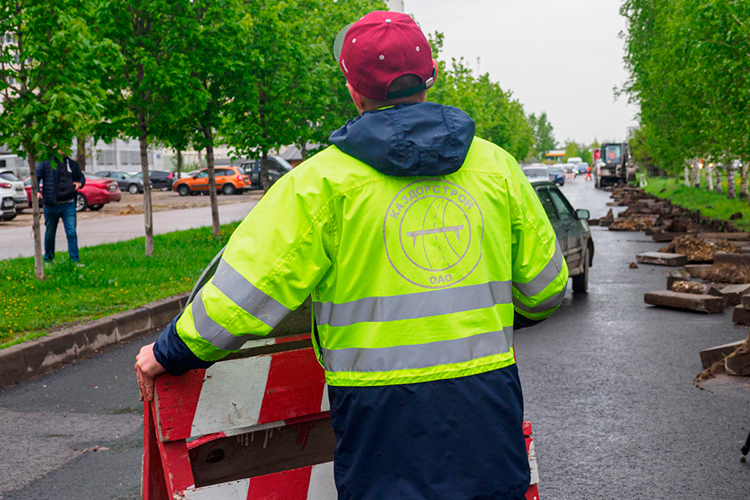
(59, 181)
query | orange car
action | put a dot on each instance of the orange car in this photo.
(229, 180)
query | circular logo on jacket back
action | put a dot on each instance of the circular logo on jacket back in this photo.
(433, 232)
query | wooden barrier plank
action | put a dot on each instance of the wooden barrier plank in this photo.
(263, 452)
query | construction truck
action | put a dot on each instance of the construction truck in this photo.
(614, 166)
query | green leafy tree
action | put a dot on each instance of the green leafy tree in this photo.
(48, 68)
(148, 87)
(544, 138)
(289, 89)
(499, 118)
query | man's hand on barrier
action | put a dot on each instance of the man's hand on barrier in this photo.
(146, 368)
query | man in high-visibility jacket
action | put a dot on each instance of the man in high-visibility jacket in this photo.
(423, 248)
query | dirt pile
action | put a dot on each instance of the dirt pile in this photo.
(698, 250)
(129, 210)
(632, 223)
(727, 273)
(710, 373)
(690, 287)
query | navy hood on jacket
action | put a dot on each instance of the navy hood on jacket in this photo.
(424, 139)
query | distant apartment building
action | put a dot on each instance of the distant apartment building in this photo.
(396, 5)
(121, 154)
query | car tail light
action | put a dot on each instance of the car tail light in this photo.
(240, 178)
(170, 175)
(6, 185)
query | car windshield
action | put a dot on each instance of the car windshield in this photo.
(613, 153)
(535, 172)
(554, 170)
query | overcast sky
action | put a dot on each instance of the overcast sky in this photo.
(562, 57)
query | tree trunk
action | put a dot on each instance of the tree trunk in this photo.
(743, 180)
(731, 191)
(179, 164)
(212, 183)
(262, 100)
(38, 258)
(696, 175)
(81, 151)
(687, 176)
(718, 188)
(303, 151)
(710, 177)
(148, 217)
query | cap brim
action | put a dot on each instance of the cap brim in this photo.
(338, 43)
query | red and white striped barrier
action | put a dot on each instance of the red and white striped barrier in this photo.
(253, 428)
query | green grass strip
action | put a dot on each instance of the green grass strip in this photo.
(115, 277)
(713, 205)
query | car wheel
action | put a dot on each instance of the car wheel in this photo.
(228, 189)
(133, 189)
(10, 217)
(81, 203)
(581, 282)
(183, 190)
(96, 207)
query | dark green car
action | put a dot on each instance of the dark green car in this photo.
(572, 230)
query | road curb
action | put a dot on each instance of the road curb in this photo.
(27, 360)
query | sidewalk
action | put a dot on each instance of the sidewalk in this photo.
(19, 242)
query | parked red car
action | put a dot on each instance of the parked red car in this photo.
(97, 192)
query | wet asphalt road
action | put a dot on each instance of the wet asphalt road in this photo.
(607, 382)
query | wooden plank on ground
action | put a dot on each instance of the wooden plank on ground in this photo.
(685, 301)
(662, 259)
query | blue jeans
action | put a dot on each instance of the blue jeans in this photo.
(52, 214)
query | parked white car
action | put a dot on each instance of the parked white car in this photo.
(7, 201)
(8, 176)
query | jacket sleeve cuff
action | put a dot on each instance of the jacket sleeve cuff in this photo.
(520, 321)
(173, 354)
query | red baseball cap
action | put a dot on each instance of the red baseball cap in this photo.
(379, 48)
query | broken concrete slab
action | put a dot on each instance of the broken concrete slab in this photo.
(714, 354)
(733, 259)
(746, 301)
(697, 270)
(685, 301)
(732, 294)
(662, 259)
(665, 237)
(724, 236)
(741, 315)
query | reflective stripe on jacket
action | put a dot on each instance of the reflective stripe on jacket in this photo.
(412, 279)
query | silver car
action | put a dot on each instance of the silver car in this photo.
(7, 176)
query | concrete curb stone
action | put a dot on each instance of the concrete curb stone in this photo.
(27, 360)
